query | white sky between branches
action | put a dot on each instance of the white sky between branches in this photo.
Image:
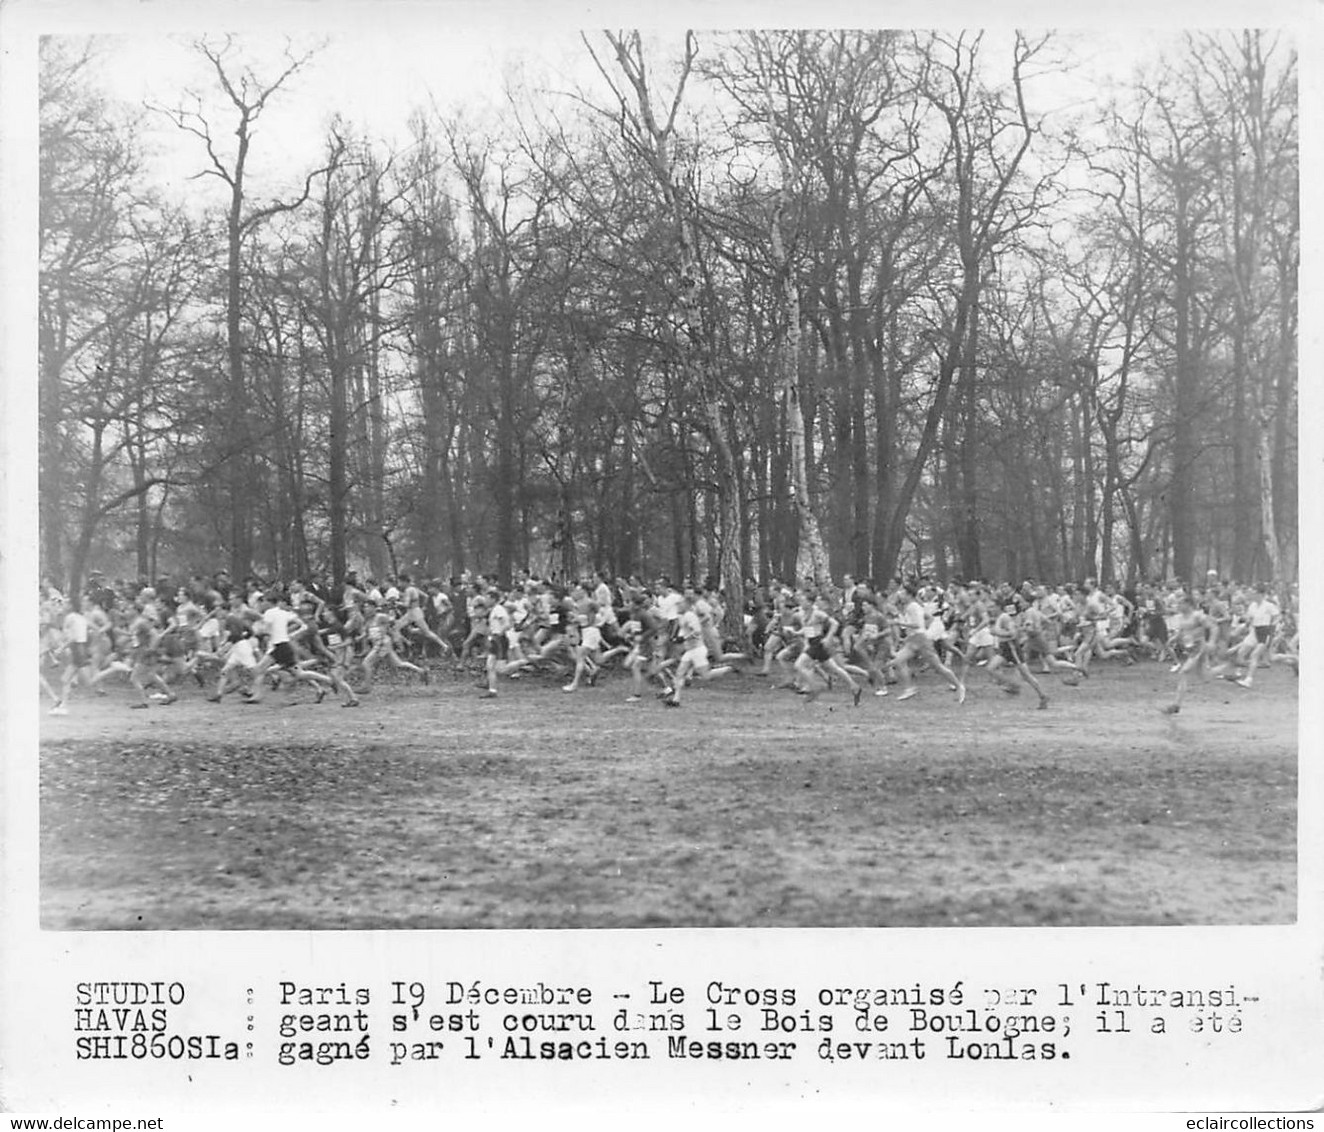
(376, 63)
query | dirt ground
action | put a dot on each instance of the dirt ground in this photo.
(431, 808)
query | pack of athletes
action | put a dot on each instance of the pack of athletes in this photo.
(242, 638)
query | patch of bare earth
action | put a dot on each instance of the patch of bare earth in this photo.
(431, 808)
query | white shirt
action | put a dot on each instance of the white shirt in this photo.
(1263, 612)
(912, 617)
(668, 605)
(209, 630)
(75, 628)
(277, 622)
(498, 620)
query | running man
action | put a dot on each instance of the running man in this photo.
(279, 626)
(1005, 631)
(501, 626)
(414, 617)
(694, 659)
(1263, 614)
(145, 656)
(381, 626)
(918, 643)
(1034, 646)
(1193, 632)
(77, 655)
(820, 635)
(237, 667)
(323, 640)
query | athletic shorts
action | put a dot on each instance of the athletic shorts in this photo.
(696, 657)
(283, 655)
(1007, 650)
(1034, 646)
(817, 650)
(1263, 633)
(498, 646)
(78, 655)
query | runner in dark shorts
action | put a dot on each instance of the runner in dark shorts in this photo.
(1005, 633)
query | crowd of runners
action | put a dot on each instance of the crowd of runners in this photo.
(215, 637)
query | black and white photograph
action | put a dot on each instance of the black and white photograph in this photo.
(747, 475)
(742, 479)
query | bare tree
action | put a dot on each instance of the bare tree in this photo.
(248, 95)
(650, 132)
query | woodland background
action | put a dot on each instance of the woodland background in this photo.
(753, 304)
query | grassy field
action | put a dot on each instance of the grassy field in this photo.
(431, 808)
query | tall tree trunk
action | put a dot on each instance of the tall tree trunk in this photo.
(813, 554)
(91, 510)
(887, 399)
(238, 474)
(375, 494)
(655, 146)
(896, 526)
(837, 431)
(50, 456)
(505, 464)
(1181, 492)
(968, 526)
(142, 526)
